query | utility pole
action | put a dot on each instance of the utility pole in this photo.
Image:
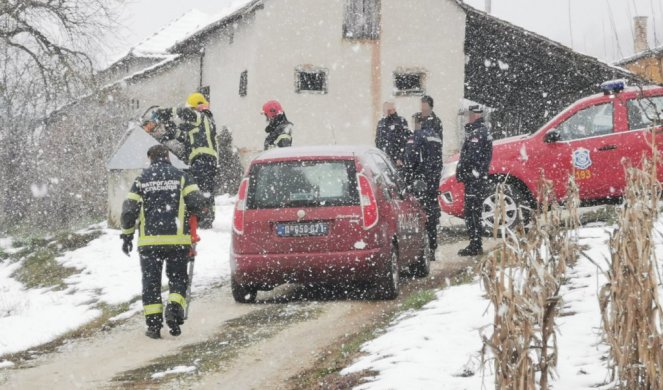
(488, 6)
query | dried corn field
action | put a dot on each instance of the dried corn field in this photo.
(522, 279)
(629, 301)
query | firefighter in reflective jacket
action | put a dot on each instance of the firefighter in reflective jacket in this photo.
(197, 131)
(279, 129)
(162, 198)
(423, 164)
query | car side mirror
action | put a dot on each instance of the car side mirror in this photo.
(552, 136)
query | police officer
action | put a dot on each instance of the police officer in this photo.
(197, 131)
(392, 134)
(163, 198)
(472, 170)
(424, 164)
(279, 129)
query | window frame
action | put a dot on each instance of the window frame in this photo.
(244, 83)
(634, 103)
(423, 75)
(308, 69)
(584, 109)
(354, 12)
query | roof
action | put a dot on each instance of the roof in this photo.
(131, 152)
(339, 151)
(644, 54)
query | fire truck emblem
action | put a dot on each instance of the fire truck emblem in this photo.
(581, 159)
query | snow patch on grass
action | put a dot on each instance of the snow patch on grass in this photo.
(31, 317)
(173, 371)
(440, 345)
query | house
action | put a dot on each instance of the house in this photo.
(332, 63)
(646, 62)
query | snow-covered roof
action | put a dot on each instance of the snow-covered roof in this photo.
(131, 153)
(643, 54)
(178, 30)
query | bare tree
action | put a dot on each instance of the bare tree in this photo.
(44, 63)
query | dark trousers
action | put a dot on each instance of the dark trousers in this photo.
(151, 264)
(204, 171)
(472, 212)
(432, 209)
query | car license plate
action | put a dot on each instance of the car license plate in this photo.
(302, 229)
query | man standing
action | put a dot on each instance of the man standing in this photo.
(279, 129)
(197, 131)
(472, 170)
(392, 134)
(163, 198)
(424, 164)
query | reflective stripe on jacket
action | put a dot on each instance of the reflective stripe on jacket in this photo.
(161, 198)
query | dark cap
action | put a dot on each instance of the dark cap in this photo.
(427, 99)
(475, 108)
(158, 153)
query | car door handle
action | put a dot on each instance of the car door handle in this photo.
(607, 147)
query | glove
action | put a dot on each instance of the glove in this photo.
(127, 244)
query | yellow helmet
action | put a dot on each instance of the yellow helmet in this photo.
(196, 99)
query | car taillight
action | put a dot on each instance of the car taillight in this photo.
(240, 206)
(369, 206)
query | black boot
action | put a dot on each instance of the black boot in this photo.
(471, 250)
(153, 332)
(174, 318)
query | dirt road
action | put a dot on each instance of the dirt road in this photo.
(226, 345)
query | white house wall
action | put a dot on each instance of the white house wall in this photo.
(170, 87)
(430, 35)
(273, 41)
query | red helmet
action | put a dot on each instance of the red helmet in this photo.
(271, 109)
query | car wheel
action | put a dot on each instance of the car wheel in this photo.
(389, 284)
(243, 294)
(518, 209)
(421, 267)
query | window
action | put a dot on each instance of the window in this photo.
(243, 83)
(134, 104)
(409, 83)
(362, 19)
(590, 122)
(643, 112)
(205, 91)
(311, 80)
(303, 184)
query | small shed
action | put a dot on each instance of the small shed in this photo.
(129, 159)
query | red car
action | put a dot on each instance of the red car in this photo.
(325, 215)
(592, 140)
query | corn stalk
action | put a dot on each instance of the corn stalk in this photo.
(522, 279)
(629, 302)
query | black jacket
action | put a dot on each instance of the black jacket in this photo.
(279, 133)
(391, 136)
(424, 154)
(197, 131)
(161, 198)
(476, 153)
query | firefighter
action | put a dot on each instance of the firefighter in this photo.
(424, 164)
(392, 134)
(162, 198)
(197, 131)
(279, 129)
(472, 171)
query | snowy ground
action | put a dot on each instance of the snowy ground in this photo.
(440, 345)
(30, 317)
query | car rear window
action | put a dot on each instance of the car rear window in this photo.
(303, 184)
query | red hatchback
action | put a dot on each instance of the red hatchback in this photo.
(592, 139)
(318, 215)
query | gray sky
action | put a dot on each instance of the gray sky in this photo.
(591, 29)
